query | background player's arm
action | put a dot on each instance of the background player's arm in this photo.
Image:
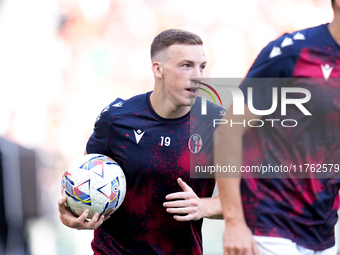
(69, 220)
(238, 237)
(188, 203)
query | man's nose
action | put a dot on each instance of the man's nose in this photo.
(198, 72)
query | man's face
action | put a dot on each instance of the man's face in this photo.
(182, 63)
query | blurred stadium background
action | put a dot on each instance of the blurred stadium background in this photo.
(63, 61)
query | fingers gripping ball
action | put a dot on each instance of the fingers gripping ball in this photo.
(94, 182)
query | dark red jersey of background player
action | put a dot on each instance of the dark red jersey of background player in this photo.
(302, 209)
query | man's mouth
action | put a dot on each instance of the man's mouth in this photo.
(192, 90)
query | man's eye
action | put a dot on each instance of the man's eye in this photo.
(202, 67)
(186, 65)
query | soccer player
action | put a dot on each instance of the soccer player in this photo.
(287, 215)
(149, 136)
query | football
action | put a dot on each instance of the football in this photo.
(94, 182)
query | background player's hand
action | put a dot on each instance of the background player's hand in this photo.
(238, 240)
(68, 219)
(185, 202)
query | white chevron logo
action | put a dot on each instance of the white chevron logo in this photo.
(138, 135)
(299, 36)
(326, 70)
(275, 52)
(118, 104)
(286, 42)
(106, 109)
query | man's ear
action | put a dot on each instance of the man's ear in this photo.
(157, 69)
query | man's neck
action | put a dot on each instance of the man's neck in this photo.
(334, 29)
(165, 108)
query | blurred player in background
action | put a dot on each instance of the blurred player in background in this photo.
(292, 215)
(148, 135)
